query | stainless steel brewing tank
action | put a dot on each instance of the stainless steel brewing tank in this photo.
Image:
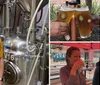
(17, 68)
(17, 62)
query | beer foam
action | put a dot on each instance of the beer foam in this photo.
(66, 8)
(82, 9)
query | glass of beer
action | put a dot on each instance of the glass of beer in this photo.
(65, 15)
(83, 19)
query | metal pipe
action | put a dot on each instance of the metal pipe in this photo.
(14, 21)
(44, 61)
(33, 34)
(30, 28)
(7, 19)
(35, 65)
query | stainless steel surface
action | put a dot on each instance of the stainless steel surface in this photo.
(25, 5)
(12, 73)
(17, 68)
(18, 61)
(2, 1)
(16, 44)
(2, 37)
(19, 44)
(7, 41)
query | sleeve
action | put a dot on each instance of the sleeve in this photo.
(1, 49)
(65, 79)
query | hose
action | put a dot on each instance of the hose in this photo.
(35, 65)
(30, 27)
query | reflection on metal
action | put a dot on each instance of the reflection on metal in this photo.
(15, 44)
(12, 74)
(18, 61)
(17, 66)
(25, 5)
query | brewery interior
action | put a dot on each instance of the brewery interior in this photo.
(24, 32)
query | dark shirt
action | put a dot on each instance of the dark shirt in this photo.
(96, 74)
(67, 79)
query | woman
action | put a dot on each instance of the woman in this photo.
(70, 74)
(1, 62)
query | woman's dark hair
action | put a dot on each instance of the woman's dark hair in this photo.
(69, 52)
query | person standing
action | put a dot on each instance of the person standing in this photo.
(1, 62)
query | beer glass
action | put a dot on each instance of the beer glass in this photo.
(83, 19)
(65, 15)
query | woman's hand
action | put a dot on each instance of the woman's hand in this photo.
(58, 29)
(77, 65)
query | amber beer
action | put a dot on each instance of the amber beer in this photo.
(65, 16)
(83, 20)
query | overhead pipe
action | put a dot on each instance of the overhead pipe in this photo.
(7, 18)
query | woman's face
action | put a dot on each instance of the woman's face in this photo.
(74, 56)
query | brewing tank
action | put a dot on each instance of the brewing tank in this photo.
(17, 62)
